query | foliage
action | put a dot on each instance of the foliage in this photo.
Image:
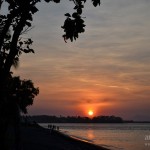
(74, 24)
(22, 92)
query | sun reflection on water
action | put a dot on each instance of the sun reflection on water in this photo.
(90, 134)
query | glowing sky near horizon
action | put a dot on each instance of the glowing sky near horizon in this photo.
(106, 70)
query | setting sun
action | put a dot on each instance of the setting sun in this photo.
(90, 113)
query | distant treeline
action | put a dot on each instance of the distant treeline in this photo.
(76, 119)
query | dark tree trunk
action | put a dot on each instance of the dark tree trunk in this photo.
(4, 79)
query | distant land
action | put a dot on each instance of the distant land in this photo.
(78, 119)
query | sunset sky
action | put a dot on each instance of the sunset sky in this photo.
(106, 70)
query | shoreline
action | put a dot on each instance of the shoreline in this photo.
(80, 139)
(40, 138)
(88, 142)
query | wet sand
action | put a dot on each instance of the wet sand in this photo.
(38, 138)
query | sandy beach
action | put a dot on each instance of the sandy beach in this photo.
(38, 138)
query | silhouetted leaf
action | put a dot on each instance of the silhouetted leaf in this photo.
(68, 15)
(79, 10)
(96, 2)
(34, 10)
(28, 24)
(31, 50)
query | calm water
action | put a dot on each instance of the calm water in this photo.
(126, 136)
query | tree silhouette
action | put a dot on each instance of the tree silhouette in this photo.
(21, 95)
(19, 19)
(22, 92)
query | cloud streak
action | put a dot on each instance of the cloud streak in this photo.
(106, 68)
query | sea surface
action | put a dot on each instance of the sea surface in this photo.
(125, 136)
